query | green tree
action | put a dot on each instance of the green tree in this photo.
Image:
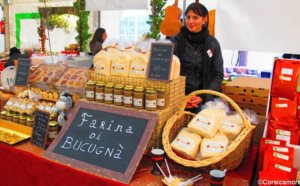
(155, 18)
(82, 26)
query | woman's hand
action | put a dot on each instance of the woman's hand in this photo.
(193, 102)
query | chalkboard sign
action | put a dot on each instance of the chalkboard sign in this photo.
(40, 128)
(22, 72)
(105, 140)
(160, 63)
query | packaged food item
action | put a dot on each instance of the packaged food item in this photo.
(278, 155)
(99, 93)
(175, 68)
(150, 99)
(102, 62)
(211, 147)
(108, 93)
(285, 78)
(207, 122)
(138, 66)
(74, 78)
(128, 96)
(187, 143)
(90, 91)
(120, 64)
(46, 74)
(230, 126)
(161, 98)
(118, 95)
(139, 98)
(278, 131)
(283, 109)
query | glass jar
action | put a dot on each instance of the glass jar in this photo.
(9, 116)
(118, 95)
(138, 98)
(128, 96)
(161, 98)
(30, 121)
(23, 119)
(100, 92)
(108, 93)
(150, 99)
(52, 131)
(90, 91)
(16, 118)
(3, 115)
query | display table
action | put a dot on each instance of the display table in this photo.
(23, 164)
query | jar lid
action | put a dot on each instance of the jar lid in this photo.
(109, 85)
(118, 86)
(53, 123)
(161, 90)
(150, 90)
(100, 83)
(30, 119)
(128, 87)
(90, 82)
(16, 116)
(139, 89)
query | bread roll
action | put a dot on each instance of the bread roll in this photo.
(186, 143)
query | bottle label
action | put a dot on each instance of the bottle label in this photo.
(150, 103)
(161, 102)
(108, 97)
(99, 95)
(118, 98)
(89, 94)
(127, 99)
(138, 102)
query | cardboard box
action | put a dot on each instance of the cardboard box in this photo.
(259, 109)
(259, 87)
(248, 99)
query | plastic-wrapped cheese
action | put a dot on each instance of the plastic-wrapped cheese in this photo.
(231, 126)
(207, 122)
(102, 62)
(120, 63)
(175, 69)
(211, 147)
(138, 66)
(186, 143)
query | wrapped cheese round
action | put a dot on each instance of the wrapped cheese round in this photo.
(231, 126)
(186, 143)
(211, 147)
(207, 122)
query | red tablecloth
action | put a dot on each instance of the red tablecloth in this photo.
(25, 166)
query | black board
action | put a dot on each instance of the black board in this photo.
(160, 61)
(40, 128)
(105, 140)
(23, 70)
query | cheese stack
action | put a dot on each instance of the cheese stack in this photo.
(102, 62)
(138, 66)
(187, 143)
(211, 147)
(120, 63)
(207, 122)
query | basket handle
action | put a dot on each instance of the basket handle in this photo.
(215, 93)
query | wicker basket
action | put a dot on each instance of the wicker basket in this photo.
(229, 159)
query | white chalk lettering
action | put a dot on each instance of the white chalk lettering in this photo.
(119, 127)
(92, 135)
(129, 130)
(81, 148)
(68, 143)
(83, 115)
(102, 125)
(93, 124)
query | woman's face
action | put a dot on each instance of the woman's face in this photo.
(194, 22)
(104, 36)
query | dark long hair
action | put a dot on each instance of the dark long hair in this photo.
(198, 9)
(97, 36)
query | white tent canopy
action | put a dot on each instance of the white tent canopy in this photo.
(259, 25)
(95, 5)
